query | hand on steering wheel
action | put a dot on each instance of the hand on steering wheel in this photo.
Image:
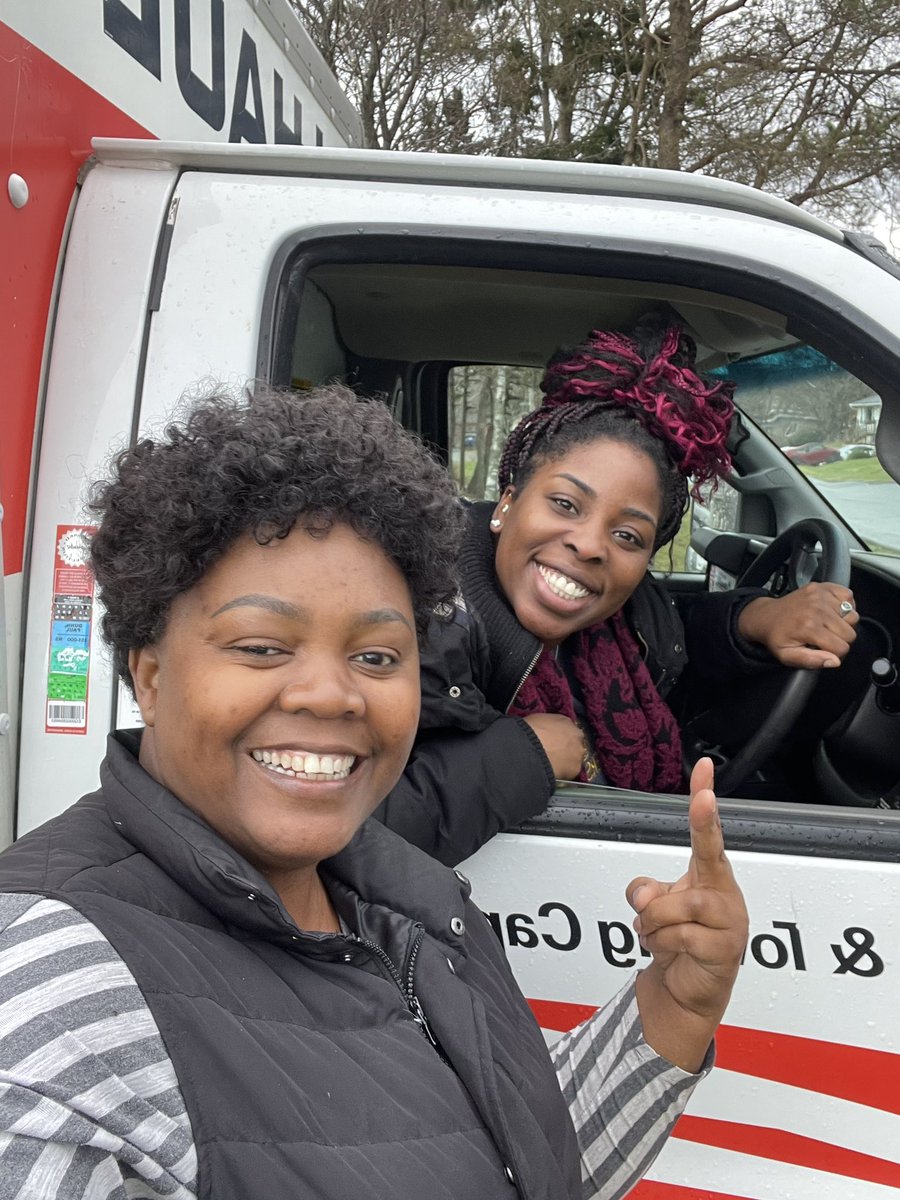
(791, 561)
(813, 627)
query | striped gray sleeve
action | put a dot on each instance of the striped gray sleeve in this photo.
(623, 1098)
(90, 1107)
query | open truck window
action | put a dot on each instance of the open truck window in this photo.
(458, 345)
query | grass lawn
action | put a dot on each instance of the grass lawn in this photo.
(853, 470)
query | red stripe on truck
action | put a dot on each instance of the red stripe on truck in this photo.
(554, 1014)
(779, 1145)
(870, 1077)
(49, 118)
(853, 1073)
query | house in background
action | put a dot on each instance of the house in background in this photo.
(867, 411)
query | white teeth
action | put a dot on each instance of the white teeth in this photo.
(306, 765)
(562, 586)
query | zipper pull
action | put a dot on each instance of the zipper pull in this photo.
(418, 1012)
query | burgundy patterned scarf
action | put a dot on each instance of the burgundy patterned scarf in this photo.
(636, 738)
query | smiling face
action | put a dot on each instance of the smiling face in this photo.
(576, 539)
(282, 700)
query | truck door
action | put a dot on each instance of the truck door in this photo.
(69, 695)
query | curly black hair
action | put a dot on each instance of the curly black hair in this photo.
(259, 464)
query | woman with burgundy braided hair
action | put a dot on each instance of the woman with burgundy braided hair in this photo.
(615, 398)
(561, 637)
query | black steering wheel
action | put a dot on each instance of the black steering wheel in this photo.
(790, 561)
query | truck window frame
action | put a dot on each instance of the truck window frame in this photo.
(589, 811)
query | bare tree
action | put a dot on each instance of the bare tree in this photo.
(806, 103)
(801, 97)
(405, 63)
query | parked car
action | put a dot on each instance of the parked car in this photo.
(857, 450)
(812, 454)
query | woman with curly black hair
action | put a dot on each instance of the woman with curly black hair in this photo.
(218, 979)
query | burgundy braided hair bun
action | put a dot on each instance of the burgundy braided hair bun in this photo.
(650, 374)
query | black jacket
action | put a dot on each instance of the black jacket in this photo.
(474, 771)
(304, 1072)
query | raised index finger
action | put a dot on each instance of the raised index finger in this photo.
(708, 860)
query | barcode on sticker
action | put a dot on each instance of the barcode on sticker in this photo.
(66, 714)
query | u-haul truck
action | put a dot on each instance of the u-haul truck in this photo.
(222, 70)
(165, 262)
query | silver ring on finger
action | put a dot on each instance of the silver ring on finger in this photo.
(846, 608)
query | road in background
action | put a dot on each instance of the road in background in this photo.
(871, 509)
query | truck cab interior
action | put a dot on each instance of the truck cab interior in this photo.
(454, 335)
